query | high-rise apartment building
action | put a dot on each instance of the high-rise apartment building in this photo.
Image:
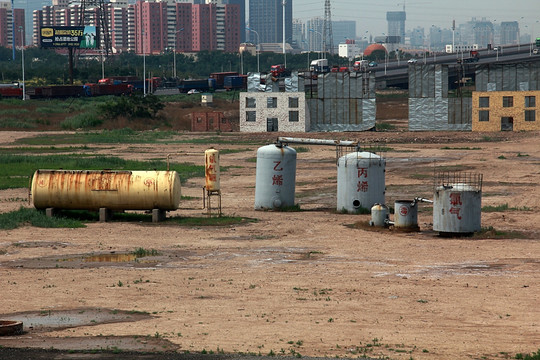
(7, 20)
(266, 18)
(151, 27)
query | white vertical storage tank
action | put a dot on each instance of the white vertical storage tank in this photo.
(406, 215)
(275, 177)
(360, 181)
(457, 204)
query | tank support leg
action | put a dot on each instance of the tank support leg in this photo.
(50, 212)
(105, 214)
(158, 215)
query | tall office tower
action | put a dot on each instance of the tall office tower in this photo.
(298, 39)
(509, 32)
(343, 30)
(396, 25)
(266, 18)
(483, 33)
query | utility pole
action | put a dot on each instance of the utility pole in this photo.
(328, 39)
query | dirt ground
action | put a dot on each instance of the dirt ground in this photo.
(303, 283)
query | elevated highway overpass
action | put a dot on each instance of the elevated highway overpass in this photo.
(396, 73)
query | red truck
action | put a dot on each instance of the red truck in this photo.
(279, 71)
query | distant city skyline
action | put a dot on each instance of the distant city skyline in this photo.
(371, 15)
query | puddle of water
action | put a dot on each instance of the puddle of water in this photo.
(47, 320)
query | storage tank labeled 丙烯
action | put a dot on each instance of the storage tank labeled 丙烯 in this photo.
(113, 190)
(457, 208)
(211, 166)
(360, 181)
(406, 215)
(275, 177)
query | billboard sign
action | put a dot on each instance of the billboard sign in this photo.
(82, 37)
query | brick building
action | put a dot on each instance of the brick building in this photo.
(505, 110)
(210, 121)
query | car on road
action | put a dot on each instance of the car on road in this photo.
(412, 61)
(193, 91)
(373, 64)
(536, 51)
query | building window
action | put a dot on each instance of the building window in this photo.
(293, 116)
(293, 102)
(271, 102)
(530, 115)
(530, 101)
(251, 116)
(251, 102)
(199, 119)
(508, 101)
(483, 102)
(483, 115)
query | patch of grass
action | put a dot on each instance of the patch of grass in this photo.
(41, 150)
(233, 151)
(142, 252)
(502, 157)
(210, 221)
(82, 121)
(460, 148)
(492, 233)
(118, 136)
(17, 123)
(301, 149)
(533, 356)
(503, 207)
(252, 160)
(522, 155)
(17, 169)
(384, 127)
(26, 216)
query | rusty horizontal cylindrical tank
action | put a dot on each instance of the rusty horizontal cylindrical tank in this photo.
(114, 190)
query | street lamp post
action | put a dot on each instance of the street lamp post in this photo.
(21, 29)
(144, 64)
(284, 51)
(174, 53)
(258, 44)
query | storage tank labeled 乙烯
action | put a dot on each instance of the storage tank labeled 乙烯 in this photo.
(211, 166)
(114, 190)
(275, 177)
(360, 181)
(457, 208)
(406, 215)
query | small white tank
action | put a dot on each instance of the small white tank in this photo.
(406, 215)
(379, 215)
(457, 209)
(360, 181)
(275, 177)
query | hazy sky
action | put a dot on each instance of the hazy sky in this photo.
(371, 15)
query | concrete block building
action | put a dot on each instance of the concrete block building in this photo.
(273, 111)
(505, 110)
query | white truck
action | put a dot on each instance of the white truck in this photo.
(319, 66)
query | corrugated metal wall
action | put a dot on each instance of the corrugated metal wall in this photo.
(430, 108)
(341, 101)
(508, 77)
